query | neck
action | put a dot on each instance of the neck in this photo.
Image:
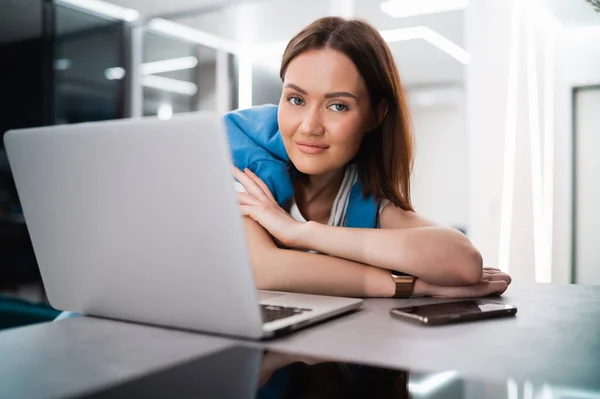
(322, 186)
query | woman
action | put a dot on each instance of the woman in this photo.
(344, 123)
(290, 376)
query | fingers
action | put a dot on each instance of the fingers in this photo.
(251, 186)
(247, 211)
(497, 287)
(492, 269)
(260, 183)
(247, 199)
(490, 274)
(248, 205)
(483, 289)
(501, 277)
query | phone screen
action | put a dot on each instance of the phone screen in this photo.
(449, 309)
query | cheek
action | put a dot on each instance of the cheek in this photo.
(348, 133)
(287, 123)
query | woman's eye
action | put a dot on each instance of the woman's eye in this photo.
(338, 107)
(295, 101)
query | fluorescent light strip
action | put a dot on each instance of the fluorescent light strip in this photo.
(448, 46)
(171, 85)
(510, 136)
(549, 154)
(173, 29)
(431, 36)
(150, 68)
(397, 35)
(410, 8)
(179, 31)
(535, 152)
(391, 36)
(432, 383)
(102, 8)
(173, 64)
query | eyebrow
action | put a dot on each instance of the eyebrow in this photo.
(328, 95)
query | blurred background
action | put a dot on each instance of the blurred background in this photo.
(504, 94)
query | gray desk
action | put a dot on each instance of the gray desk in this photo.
(555, 337)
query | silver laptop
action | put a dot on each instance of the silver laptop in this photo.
(138, 220)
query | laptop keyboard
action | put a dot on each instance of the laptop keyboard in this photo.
(272, 313)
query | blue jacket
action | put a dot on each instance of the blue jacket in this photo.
(256, 144)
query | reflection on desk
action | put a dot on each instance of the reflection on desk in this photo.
(241, 372)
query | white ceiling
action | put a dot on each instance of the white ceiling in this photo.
(21, 19)
(419, 61)
(254, 22)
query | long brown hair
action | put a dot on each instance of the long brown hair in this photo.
(385, 157)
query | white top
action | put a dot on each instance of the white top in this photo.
(337, 216)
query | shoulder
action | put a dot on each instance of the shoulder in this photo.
(259, 115)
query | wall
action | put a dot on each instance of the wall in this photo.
(577, 64)
(486, 26)
(504, 109)
(266, 84)
(207, 86)
(587, 140)
(440, 178)
(503, 116)
(82, 91)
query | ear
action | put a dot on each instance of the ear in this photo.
(382, 110)
(380, 113)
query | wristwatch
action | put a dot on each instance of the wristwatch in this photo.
(405, 284)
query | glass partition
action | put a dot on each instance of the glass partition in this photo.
(89, 64)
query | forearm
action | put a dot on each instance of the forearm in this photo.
(295, 271)
(437, 255)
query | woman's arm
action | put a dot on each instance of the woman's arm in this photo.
(279, 269)
(406, 242)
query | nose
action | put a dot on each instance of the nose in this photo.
(312, 124)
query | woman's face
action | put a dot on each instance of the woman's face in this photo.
(324, 111)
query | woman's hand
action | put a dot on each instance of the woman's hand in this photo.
(493, 282)
(260, 205)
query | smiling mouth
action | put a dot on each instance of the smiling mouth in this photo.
(309, 148)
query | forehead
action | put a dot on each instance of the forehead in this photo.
(323, 71)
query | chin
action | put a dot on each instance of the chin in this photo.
(313, 166)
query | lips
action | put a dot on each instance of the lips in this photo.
(311, 148)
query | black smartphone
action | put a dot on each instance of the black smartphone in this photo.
(453, 312)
